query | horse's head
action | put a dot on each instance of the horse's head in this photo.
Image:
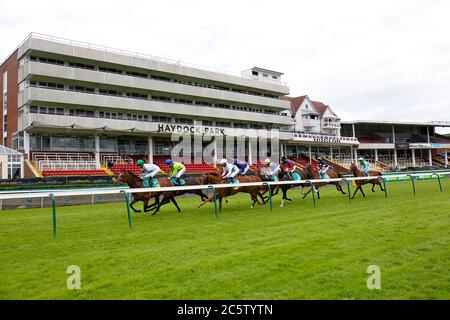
(127, 177)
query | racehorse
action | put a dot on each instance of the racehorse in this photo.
(216, 178)
(168, 195)
(372, 173)
(314, 175)
(282, 176)
(134, 181)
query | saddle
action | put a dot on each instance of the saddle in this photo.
(175, 182)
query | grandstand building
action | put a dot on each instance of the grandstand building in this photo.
(70, 102)
(77, 108)
(399, 145)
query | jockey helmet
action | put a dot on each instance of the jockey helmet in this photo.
(361, 159)
(267, 161)
(140, 162)
(223, 161)
(169, 162)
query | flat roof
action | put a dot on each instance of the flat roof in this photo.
(400, 123)
(267, 70)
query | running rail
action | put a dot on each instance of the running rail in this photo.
(120, 190)
(53, 194)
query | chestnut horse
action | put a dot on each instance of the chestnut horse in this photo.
(314, 175)
(372, 173)
(282, 176)
(134, 181)
(168, 195)
(216, 178)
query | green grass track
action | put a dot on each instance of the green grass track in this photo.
(295, 252)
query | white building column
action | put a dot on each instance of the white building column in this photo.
(376, 155)
(353, 130)
(26, 144)
(215, 151)
(97, 151)
(296, 151)
(413, 154)
(446, 157)
(22, 166)
(310, 154)
(356, 154)
(430, 159)
(250, 158)
(150, 149)
(395, 158)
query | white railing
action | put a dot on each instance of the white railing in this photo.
(66, 165)
(109, 191)
(140, 55)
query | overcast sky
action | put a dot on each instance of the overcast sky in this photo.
(380, 59)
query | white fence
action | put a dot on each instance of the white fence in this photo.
(119, 190)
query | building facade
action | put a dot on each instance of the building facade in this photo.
(61, 96)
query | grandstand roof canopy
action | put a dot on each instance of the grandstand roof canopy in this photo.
(400, 123)
(6, 150)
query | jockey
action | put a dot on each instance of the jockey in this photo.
(273, 168)
(177, 169)
(229, 171)
(323, 167)
(148, 170)
(364, 166)
(289, 165)
(243, 166)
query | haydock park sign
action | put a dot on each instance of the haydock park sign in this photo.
(177, 128)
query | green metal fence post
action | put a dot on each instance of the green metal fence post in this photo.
(127, 203)
(348, 189)
(52, 197)
(313, 191)
(215, 199)
(413, 184)
(439, 180)
(270, 194)
(384, 186)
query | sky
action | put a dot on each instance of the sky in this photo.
(369, 60)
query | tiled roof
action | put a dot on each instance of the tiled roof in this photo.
(295, 102)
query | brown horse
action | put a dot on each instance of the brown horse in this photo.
(168, 195)
(134, 181)
(216, 178)
(282, 176)
(314, 175)
(359, 183)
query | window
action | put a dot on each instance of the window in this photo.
(255, 73)
(60, 111)
(274, 77)
(265, 75)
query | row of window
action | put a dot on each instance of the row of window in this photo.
(129, 116)
(135, 95)
(151, 76)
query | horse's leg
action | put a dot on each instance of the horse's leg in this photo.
(164, 201)
(220, 204)
(362, 191)
(262, 198)
(131, 205)
(304, 196)
(205, 201)
(373, 185)
(175, 203)
(318, 192)
(356, 190)
(285, 190)
(339, 187)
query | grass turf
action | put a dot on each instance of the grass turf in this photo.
(295, 252)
